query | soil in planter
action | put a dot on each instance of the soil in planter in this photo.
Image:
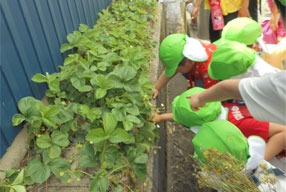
(179, 149)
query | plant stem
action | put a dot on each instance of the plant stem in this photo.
(84, 172)
(117, 169)
(126, 186)
(5, 186)
(102, 154)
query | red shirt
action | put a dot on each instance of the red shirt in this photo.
(240, 116)
(200, 70)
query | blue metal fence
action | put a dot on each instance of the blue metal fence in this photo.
(31, 34)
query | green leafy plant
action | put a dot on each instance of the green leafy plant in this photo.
(98, 105)
(13, 181)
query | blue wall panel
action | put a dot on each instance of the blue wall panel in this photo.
(32, 32)
(80, 11)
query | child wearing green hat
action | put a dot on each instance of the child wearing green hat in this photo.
(235, 60)
(243, 30)
(221, 136)
(182, 54)
(238, 115)
(263, 96)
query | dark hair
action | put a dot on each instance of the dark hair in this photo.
(182, 63)
(282, 10)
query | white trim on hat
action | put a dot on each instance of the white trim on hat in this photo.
(194, 50)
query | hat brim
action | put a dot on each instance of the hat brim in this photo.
(194, 50)
(171, 72)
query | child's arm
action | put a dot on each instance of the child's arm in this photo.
(163, 79)
(275, 16)
(224, 90)
(277, 140)
(243, 11)
(196, 8)
(157, 118)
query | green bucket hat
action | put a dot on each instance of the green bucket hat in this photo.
(242, 29)
(222, 135)
(177, 46)
(183, 114)
(231, 59)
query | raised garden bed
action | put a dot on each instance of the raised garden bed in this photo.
(94, 133)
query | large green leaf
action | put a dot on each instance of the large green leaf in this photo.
(87, 157)
(50, 122)
(99, 93)
(111, 155)
(83, 28)
(71, 59)
(39, 78)
(128, 125)
(37, 171)
(142, 159)
(19, 178)
(54, 151)
(84, 63)
(120, 114)
(140, 170)
(109, 122)
(80, 85)
(19, 188)
(132, 86)
(126, 73)
(73, 37)
(93, 114)
(103, 82)
(46, 158)
(59, 165)
(82, 110)
(133, 119)
(44, 141)
(17, 119)
(133, 110)
(51, 111)
(29, 107)
(119, 135)
(96, 135)
(103, 65)
(112, 57)
(60, 139)
(65, 47)
(99, 185)
(63, 116)
(54, 85)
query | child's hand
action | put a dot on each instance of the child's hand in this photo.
(195, 12)
(156, 118)
(195, 102)
(155, 93)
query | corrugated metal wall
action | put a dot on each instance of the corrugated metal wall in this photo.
(32, 32)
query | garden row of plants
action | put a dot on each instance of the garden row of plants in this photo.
(98, 106)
